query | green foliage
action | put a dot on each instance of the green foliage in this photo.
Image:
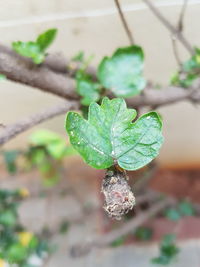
(143, 233)
(45, 39)
(46, 153)
(8, 218)
(64, 227)
(17, 245)
(122, 73)
(189, 73)
(87, 88)
(168, 250)
(54, 144)
(118, 242)
(173, 214)
(36, 50)
(2, 77)
(79, 57)
(109, 135)
(184, 208)
(16, 253)
(10, 160)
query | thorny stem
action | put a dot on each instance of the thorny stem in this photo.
(124, 22)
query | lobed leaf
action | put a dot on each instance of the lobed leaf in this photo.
(122, 73)
(109, 135)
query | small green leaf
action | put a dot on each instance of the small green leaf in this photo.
(167, 240)
(186, 208)
(88, 89)
(173, 214)
(143, 233)
(45, 39)
(2, 77)
(118, 242)
(10, 160)
(51, 180)
(168, 250)
(8, 218)
(35, 50)
(30, 50)
(189, 72)
(79, 57)
(122, 73)
(162, 260)
(54, 143)
(109, 135)
(37, 155)
(64, 227)
(17, 253)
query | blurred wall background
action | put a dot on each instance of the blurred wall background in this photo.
(94, 27)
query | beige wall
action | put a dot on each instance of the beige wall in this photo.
(93, 26)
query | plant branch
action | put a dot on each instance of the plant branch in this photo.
(175, 50)
(126, 228)
(165, 96)
(21, 69)
(124, 22)
(13, 130)
(181, 16)
(169, 26)
(180, 29)
(57, 62)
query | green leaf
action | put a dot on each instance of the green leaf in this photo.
(185, 80)
(110, 135)
(54, 143)
(51, 180)
(2, 77)
(167, 240)
(64, 227)
(37, 156)
(89, 90)
(35, 50)
(162, 260)
(173, 214)
(8, 218)
(189, 72)
(79, 56)
(16, 253)
(45, 39)
(118, 242)
(168, 250)
(30, 50)
(186, 208)
(10, 160)
(143, 233)
(122, 73)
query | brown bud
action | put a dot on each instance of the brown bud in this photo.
(119, 198)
